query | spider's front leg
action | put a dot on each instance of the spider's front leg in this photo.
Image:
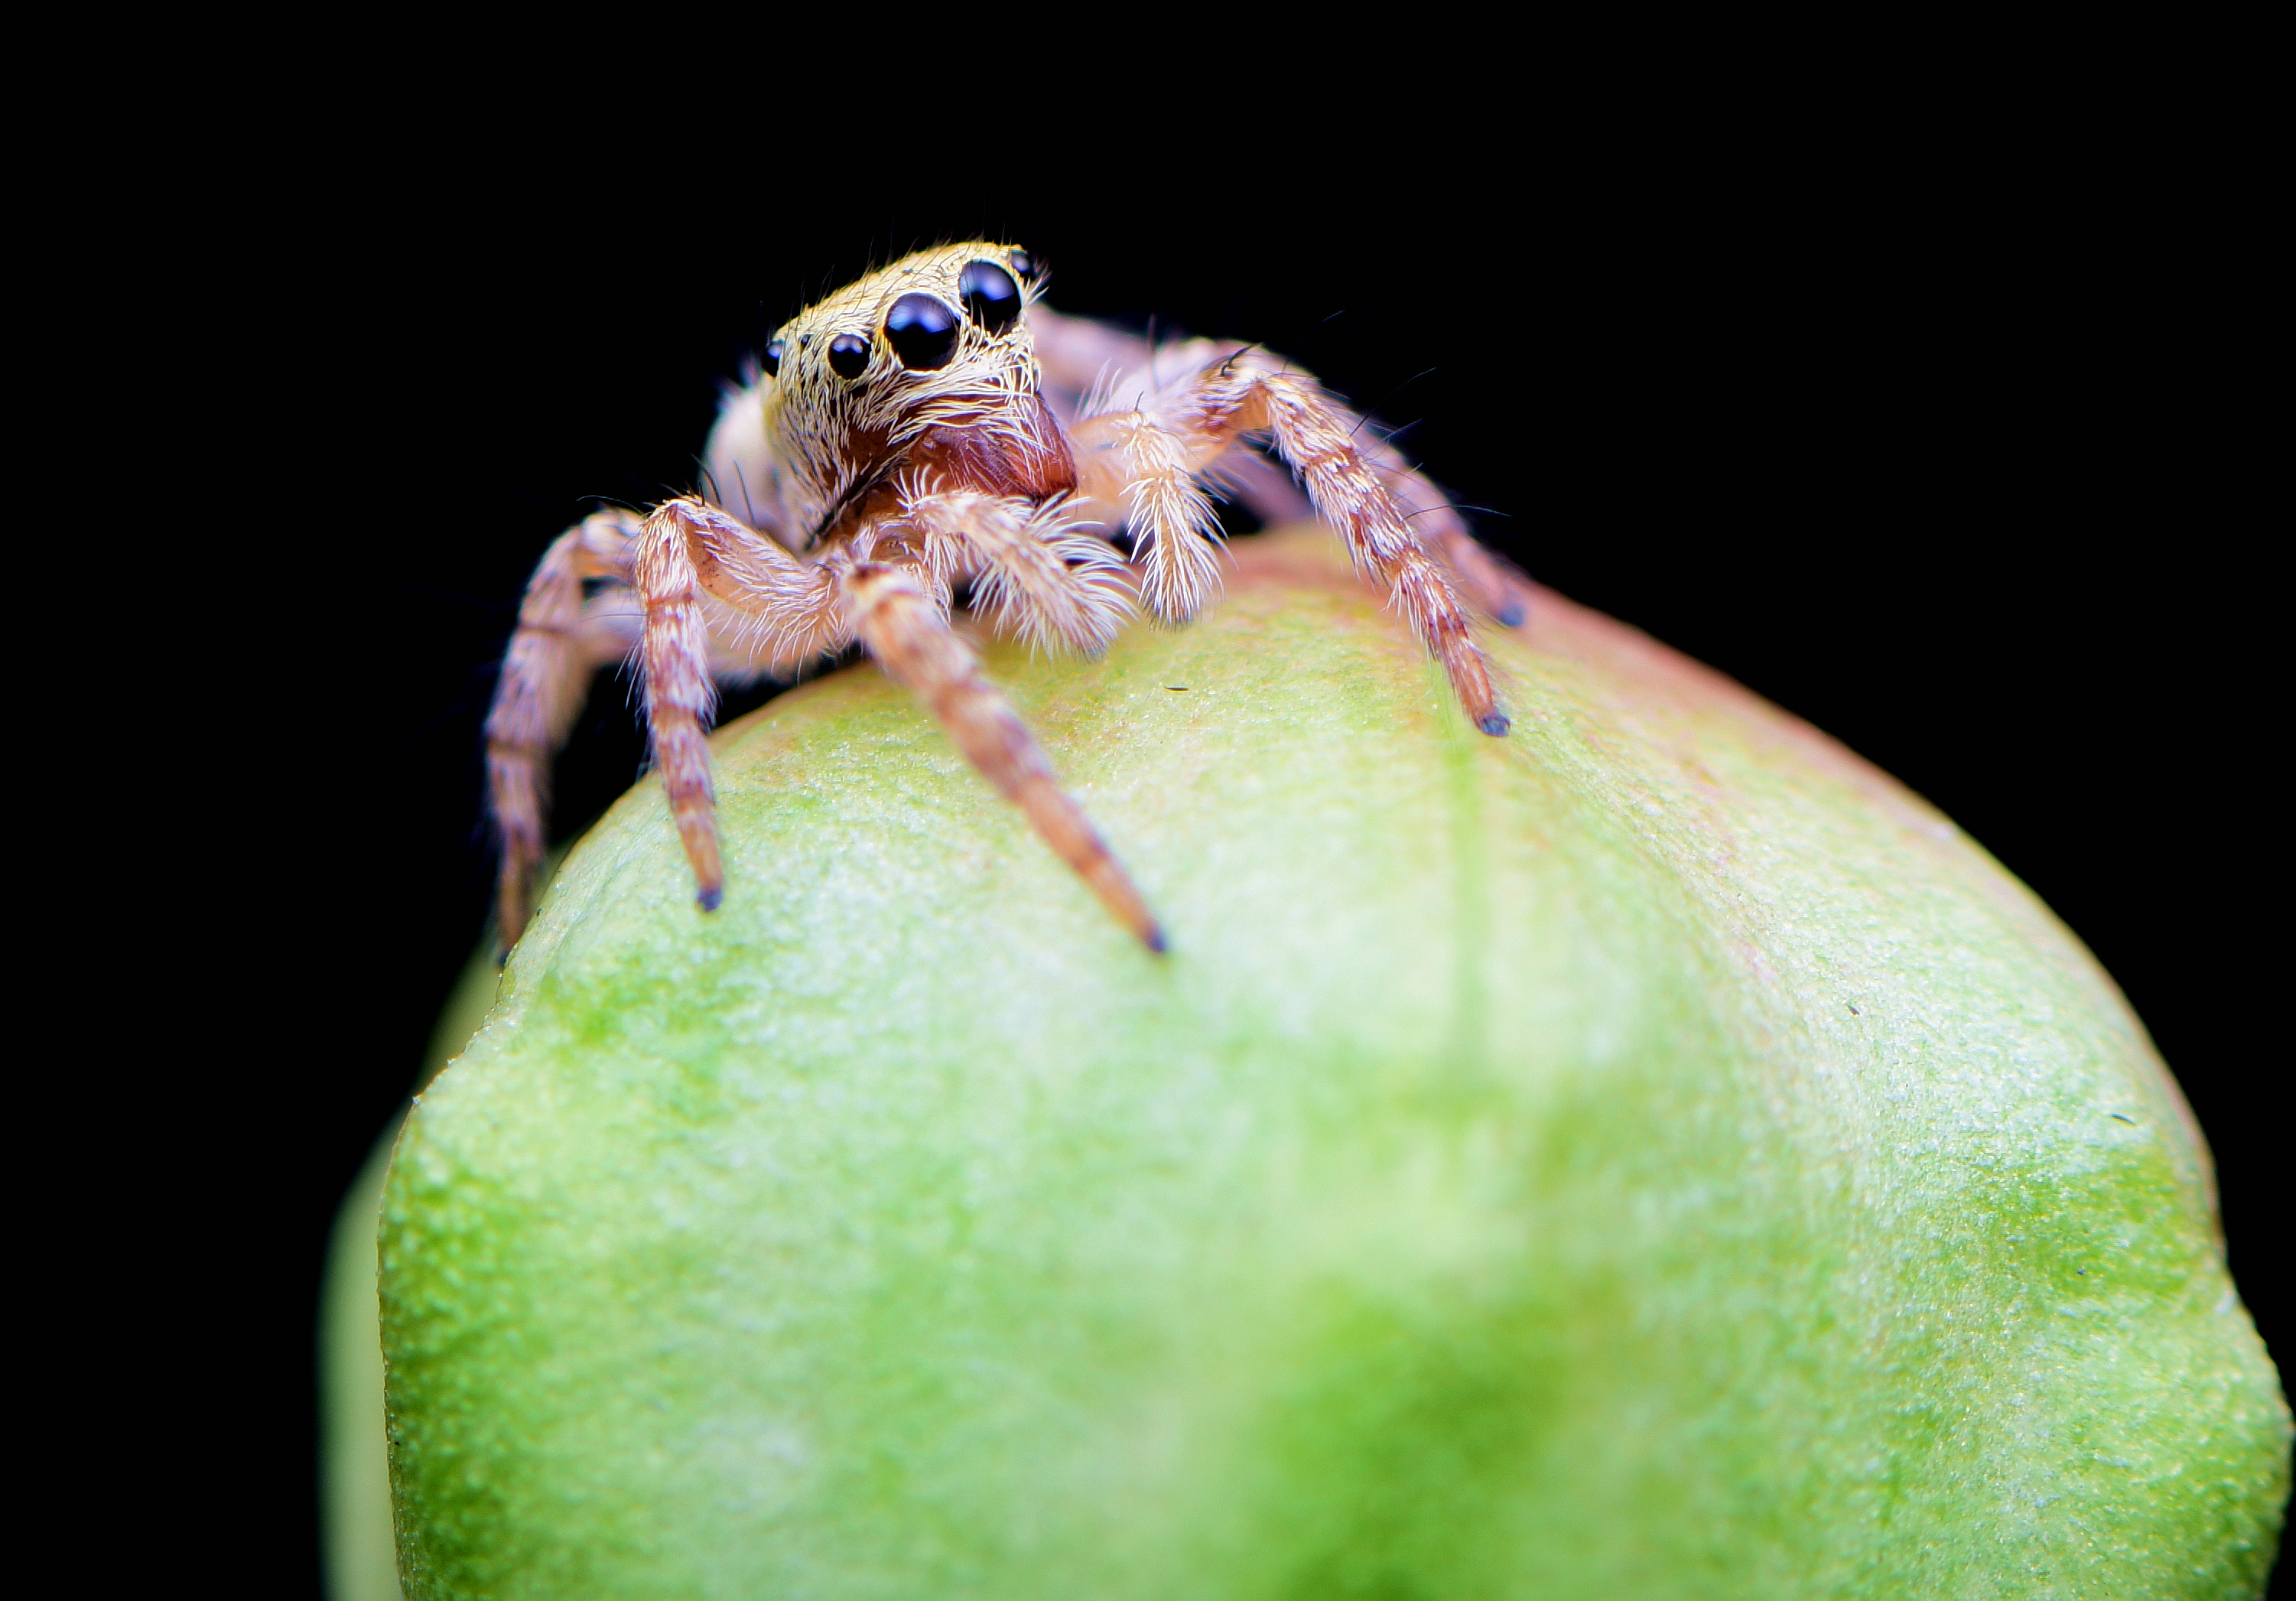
(1088, 365)
(561, 640)
(808, 608)
(1151, 459)
(685, 547)
(900, 621)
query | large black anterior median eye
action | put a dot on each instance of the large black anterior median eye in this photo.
(989, 294)
(922, 332)
(848, 353)
(774, 359)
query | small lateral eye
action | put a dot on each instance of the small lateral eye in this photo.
(991, 295)
(773, 358)
(922, 332)
(849, 354)
(1023, 265)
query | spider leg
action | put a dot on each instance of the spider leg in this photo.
(902, 625)
(1037, 576)
(1090, 369)
(560, 642)
(687, 548)
(1497, 587)
(1315, 436)
(1094, 367)
(1135, 459)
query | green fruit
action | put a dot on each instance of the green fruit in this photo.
(1652, 1154)
(357, 1543)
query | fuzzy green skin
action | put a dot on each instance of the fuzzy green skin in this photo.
(1652, 1154)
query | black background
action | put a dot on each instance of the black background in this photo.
(1946, 444)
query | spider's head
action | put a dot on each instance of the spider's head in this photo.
(927, 361)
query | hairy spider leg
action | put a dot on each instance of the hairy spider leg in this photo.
(685, 548)
(1180, 563)
(679, 695)
(902, 626)
(1034, 577)
(1083, 358)
(559, 643)
(1195, 421)
(810, 608)
(1497, 588)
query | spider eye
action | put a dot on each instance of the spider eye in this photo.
(991, 295)
(1022, 263)
(922, 332)
(849, 354)
(774, 359)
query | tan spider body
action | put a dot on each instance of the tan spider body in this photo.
(927, 428)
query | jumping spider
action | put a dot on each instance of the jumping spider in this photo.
(929, 426)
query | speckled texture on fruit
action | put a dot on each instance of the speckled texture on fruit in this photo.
(1650, 1155)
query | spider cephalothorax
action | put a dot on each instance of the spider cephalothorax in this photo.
(928, 366)
(931, 427)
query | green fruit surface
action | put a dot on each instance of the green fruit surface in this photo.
(1652, 1154)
